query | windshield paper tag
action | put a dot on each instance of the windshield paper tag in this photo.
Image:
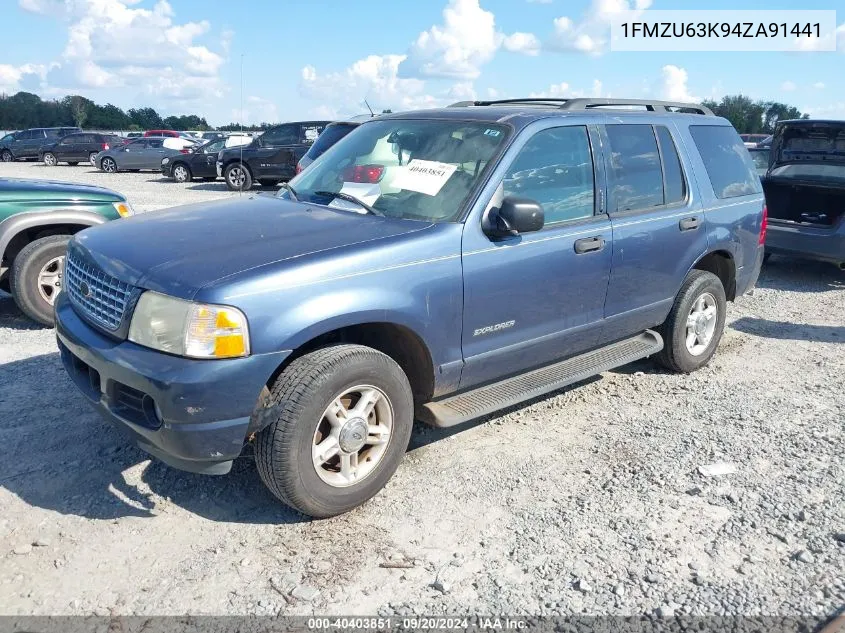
(364, 191)
(424, 176)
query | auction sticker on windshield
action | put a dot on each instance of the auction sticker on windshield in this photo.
(424, 176)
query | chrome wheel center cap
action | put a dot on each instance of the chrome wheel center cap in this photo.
(700, 325)
(353, 435)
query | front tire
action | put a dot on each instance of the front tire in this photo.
(108, 165)
(693, 329)
(181, 173)
(36, 278)
(238, 177)
(6, 156)
(343, 423)
(50, 159)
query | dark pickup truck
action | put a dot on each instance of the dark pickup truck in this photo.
(269, 159)
(805, 191)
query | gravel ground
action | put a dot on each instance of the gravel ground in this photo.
(589, 501)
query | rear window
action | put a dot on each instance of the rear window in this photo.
(329, 137)
(726, 160)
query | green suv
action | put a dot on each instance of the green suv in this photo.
(37, 218)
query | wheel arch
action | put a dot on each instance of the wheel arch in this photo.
(19, 230)
(722, 264)
(398, 341)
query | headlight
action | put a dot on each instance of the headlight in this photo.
(185, 328)
(164, 161)
(123, 208)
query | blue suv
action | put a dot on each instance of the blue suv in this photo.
(439, 264)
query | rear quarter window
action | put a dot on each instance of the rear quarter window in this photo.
(726, 160)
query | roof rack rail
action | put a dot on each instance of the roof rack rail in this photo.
(589, 103)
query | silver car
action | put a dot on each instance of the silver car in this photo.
(144, 153)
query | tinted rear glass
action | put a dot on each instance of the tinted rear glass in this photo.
(727, 161)
(636, 179)
(329, 137)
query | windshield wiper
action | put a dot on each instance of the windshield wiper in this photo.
(349, 198)
(290, 190)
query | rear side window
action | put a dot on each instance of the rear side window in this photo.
(727, 161)
(158, 142)
(636, 178)
(329, 137)
(282, 135)
(674, 186)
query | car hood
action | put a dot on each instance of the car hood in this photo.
(178, 251)
(48, 190)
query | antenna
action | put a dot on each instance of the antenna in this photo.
(369, 108)
(241, 122)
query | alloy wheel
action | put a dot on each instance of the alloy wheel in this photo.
(109, 165)
(50, 160)
(237, 177)
(351, 437)
(50, 279)
(180, 173)
(701, 323)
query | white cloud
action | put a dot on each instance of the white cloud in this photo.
(819, 85)
(15, 78)
(112, 44)
(466, 40)
(257, 110)
(590, 35)
(564, 91)
(375, 78)
(525, 43)
(462, 91)
(830, 111)
(788, 86)
(674, 84)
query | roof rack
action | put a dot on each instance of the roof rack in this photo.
(589, 103)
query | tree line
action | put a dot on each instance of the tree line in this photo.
(753, 117)
(25, 110)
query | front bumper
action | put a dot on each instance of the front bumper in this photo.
(191, 414)
(807, 241)
(166, 170)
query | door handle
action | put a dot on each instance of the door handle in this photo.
(689, 224)
(589, 244)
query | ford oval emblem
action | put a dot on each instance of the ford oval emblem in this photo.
(85, 290)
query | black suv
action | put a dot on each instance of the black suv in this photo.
(27, 143)
(271, 158)
(79, 147)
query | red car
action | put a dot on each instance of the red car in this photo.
(170, 133)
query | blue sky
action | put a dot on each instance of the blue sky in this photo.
(322, 58)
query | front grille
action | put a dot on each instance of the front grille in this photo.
(97, 295)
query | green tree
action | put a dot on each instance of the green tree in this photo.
(753, 117)
(79, 108)
(775, 112)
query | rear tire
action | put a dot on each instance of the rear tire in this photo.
(50, 159)
(315, 399)
(693, 329)
(36, 277)
(108, 165)
(237, 177)
(181, 172)
(92, 158)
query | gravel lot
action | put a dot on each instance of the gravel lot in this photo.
(586, 501)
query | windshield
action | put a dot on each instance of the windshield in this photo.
(413, 169)
(331, 135)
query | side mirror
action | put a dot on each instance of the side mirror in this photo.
(515, 216)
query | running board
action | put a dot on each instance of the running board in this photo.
(500, 395)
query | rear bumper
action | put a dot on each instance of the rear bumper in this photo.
(809, 242)
(191, 414)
